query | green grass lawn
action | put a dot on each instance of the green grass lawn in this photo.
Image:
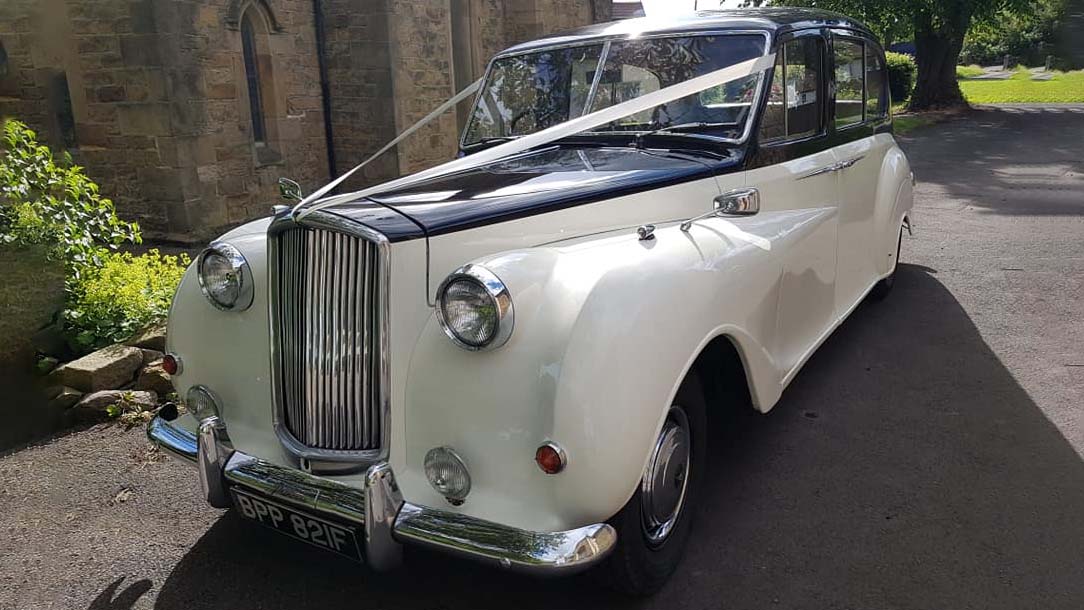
(1065, 87)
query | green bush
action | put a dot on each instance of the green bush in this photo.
(901, 75)
(125, 294)
(109, 295)
(45, 201)
(965, 72)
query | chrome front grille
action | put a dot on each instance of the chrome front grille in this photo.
(325, 324)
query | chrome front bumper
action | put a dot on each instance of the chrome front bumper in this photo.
(378, 510)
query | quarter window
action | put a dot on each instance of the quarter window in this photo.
(795, 105)
(850, 82)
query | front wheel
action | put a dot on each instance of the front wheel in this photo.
(653, 527)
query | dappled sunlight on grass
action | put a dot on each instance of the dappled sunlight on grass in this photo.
(1063, 87)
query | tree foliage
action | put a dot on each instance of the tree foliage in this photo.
(938, 26)
(44, 200)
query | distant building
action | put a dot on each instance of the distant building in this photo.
(627, 10)
(187, 112)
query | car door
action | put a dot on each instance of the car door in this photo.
(859, 109)
(793, 168)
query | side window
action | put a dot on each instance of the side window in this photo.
(794, 107)
(876, 92)
(850, 82)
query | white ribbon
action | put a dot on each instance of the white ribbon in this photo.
(458, 97)
(550, 134)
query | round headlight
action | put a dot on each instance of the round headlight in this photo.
(475, 309)
(201, 402)
(225, 277)
(447, 474)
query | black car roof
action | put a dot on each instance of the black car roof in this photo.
(772, 20)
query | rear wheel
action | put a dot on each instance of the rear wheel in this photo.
(882, 288)
(653, 527)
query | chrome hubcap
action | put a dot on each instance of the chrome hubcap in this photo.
(662, 489)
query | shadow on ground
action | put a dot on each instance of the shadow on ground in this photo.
(905, 467)
(990, 158)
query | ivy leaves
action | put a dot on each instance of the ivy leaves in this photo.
(46, 201)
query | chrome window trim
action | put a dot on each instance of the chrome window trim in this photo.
(310, 458)
(239, 265)
(497, 290)
(605, 41)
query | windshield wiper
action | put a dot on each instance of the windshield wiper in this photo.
(678, 129)
(488, 141)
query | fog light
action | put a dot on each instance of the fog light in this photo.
(550, 458)
(447, 474)
(201, 403)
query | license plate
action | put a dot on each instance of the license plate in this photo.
(298, 525)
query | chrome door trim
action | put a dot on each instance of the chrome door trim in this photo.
(835, 167)
(310, 458)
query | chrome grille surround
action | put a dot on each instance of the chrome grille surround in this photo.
(331, 407)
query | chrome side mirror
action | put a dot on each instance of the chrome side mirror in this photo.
(290, 190)
(741, 202)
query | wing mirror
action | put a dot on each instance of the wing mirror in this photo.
(290, 190)
(742, 202)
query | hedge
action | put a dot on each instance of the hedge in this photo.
(901, 75)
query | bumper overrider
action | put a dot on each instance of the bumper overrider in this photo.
(383, 520)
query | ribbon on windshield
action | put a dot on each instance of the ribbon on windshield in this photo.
(545, 136)
(458, 97)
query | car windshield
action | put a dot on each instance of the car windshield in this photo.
(532, 91)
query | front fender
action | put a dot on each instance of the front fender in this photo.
(895, 198)
(605, 330)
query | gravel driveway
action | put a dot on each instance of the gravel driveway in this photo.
(929, 456)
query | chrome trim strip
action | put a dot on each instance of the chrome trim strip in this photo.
(537, 553)
(313, 458)
(820, 172)
(175, 440)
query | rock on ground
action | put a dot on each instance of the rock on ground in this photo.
(153, 337)
(62, 397)
(154, 378)
(100, 401)
(105, 369)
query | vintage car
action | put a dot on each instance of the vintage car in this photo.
(518, 362)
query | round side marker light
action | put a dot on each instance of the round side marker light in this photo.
(550, 458)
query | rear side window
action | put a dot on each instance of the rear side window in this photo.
(795, 103)
(876, 91)
(850, 74)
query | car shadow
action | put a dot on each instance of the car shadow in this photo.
(904, 468)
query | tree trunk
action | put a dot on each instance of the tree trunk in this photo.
(938, 42)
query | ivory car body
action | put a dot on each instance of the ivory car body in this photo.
(546, 329)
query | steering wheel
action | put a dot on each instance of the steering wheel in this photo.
(515, 120)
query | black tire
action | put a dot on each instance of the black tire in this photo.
(638, 567)
(883, 288)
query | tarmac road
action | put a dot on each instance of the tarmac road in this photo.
(929, 455)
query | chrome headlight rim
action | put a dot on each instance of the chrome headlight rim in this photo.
(496, 290)
(241, 269)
